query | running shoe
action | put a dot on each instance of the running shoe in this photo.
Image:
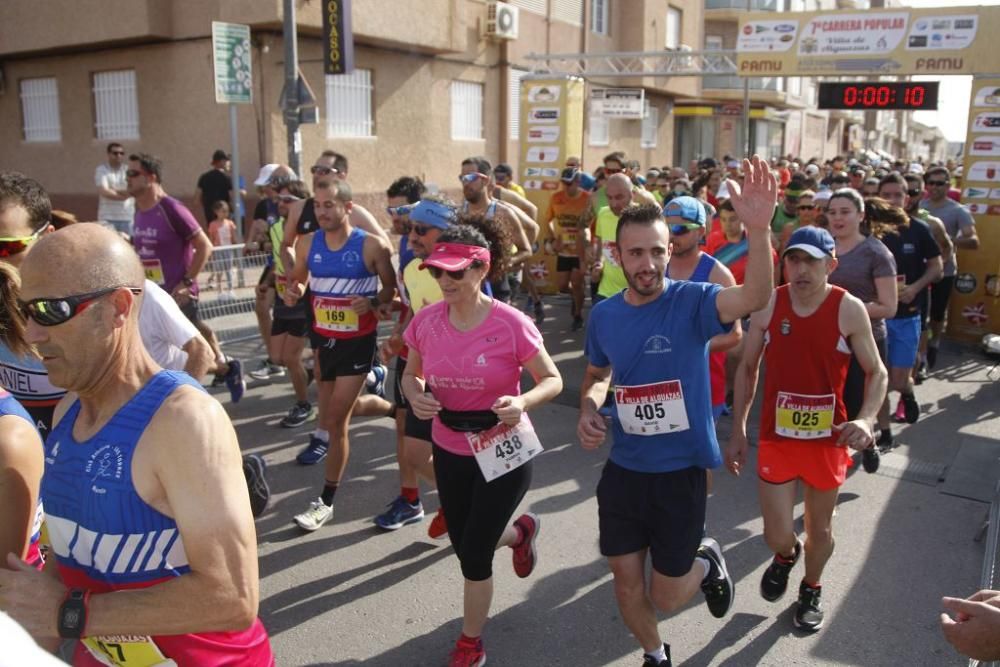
(267, 370)
(870, 458)
(775, 580)
(525, 558)
(298, 415)
(650, 661)
(399, 514)
(577, 324)
(885, 441)
(314, 517)
(235, 381)
(253, 469)
(717, 584)
(468, 654)
(911, 409)
(438, 528)
(808, 614)
(314, 452)
(539, 313)
(375, 383)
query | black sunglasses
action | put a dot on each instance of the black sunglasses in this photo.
(914, 193)
(320, 169)
(437, 272)
(50, 311)
(133, 173)
(936, 183)
(420, 230)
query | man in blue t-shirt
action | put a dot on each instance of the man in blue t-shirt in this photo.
(649, 343)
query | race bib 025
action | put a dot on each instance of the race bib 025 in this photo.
(804, 416)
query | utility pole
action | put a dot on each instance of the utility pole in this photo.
(291, 110)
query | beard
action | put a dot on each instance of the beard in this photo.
(646, 283)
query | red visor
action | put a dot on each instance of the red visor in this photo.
(456, 256)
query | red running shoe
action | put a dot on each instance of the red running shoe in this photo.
(524, 555)
(468, 654)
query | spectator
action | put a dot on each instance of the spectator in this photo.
(222, 232)
(115, 206)
(214, 185)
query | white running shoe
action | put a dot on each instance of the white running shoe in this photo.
(314, 517)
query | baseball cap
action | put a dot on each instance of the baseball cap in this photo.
(686, 208)
(219, 154)
(814, 241)
(811, 170)
(587, 182)
(455, 256)
(732, 164)
(822, 195)
(916, 168)
(569, 174)
(433, 213)
(264, 175)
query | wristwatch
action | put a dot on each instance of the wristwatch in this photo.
(375, 303)
(73, 614)
(187, 281)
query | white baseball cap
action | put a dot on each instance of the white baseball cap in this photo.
(264, 175)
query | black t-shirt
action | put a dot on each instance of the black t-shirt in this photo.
(307, 219)
(912, 248)
(260, 210)
(215, 185)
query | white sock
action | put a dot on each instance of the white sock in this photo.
(658, 655)
(322, 434)
(705, 564)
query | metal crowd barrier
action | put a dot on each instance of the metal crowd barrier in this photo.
(989, 577)
(227, 285)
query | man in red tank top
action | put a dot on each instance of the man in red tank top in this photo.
(807, 334)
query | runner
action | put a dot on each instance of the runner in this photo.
(174, 249)
(806, 335)
(564, 219)
(464, 371)
(866, 270)
(606, 270)
(652, 341)
(342, 265)
(120, 486)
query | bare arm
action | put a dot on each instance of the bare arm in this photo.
(527, 224)
(200, 358)
(514, 199)
(290, 233)
(202, 251)
(854, 323)
(967, 238)
(518, 236)
(884, 305)
(591, 427)
(723, 276)
(940, 235)
(363, 219)
(642, 196)
(21, 468)
(745, 388)
(256, 236)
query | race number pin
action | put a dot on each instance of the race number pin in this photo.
(786, 327)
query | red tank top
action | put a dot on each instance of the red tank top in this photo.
(806, 362)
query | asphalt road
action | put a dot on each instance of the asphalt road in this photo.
(349, 594)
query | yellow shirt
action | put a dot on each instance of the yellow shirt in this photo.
(612, 278)
(421, 287)
(567, 211)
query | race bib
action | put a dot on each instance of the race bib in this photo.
(652, 409)
(504, 448)
(334, 314)
(280, 285)
(606, 250)
(154, 271)
(804, 417)
(127, 651)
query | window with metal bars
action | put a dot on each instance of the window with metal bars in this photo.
(349, 104)
(466, 110)
(515, 102)
(650, 125)
(599, 16)
(116, 105)
(40, 109)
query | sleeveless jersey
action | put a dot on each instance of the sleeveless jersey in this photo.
(28, 381)
(10, 406)
(335, 276)
(275, 232)
(106, 538)
(612, 278)
(716, 360)
(806, 360)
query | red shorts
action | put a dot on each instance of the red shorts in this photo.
(823, 467)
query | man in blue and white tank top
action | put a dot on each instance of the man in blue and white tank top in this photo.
(342, 266)
(130, 505)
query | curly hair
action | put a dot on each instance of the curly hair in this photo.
(485, 233)
(884, 218)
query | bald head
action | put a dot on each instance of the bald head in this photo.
(89, 257)
(619, 192)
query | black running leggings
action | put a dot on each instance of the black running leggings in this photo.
(477, 511)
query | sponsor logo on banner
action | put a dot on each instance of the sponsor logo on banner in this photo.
(985, 146)
(987, 122)
(764, 36)
(853, 34)
(545, 133)
(992, 284)
(543, 154)
(976, 314)
(975, 193)
(987, 96)
(538, 271)
(544, 172)
(943, 32)
(976, 208)
(965, 283)
(544, 94)
(984, 171)
(544, 115)
(536, 184)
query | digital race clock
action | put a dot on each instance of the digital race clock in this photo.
(915, 95)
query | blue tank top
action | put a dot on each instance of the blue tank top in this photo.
(702, 271)
(10, 406)
(102, 531)
(405, 253)
(335, 275)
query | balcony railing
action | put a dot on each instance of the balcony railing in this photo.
(755, 5)
(731, 82)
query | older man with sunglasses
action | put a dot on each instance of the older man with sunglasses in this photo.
(121, 487)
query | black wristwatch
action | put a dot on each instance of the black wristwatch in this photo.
(187, 281)
(375, 303)
(73, 614)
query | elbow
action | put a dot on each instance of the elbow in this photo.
(240, 610)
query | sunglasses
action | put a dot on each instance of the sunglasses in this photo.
(288, 198)
(323, 171)
(936, 183)
(612, 171)
(806, 207)
(396, 211)
(437, 272)
(133, 173)
(471, 177)
(682, 229)
(17, 245)
(49, 312)
(421, 230)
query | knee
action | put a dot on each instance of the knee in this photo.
(820, 538)
(476, 567)
(779, 541)
(629, 591)
(664, 601)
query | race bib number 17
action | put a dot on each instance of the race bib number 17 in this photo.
(127, 651)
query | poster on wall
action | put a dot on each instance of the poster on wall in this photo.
(974, 309)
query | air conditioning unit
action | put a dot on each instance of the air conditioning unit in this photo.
(501, 20)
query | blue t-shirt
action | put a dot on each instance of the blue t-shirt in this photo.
(658, 353)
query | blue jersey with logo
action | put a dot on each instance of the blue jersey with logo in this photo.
(660, 344)
(334, 277)
(103, 533)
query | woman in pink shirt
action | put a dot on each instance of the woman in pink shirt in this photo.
(464, 371)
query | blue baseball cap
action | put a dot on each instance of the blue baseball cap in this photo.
(814, 241)
(433, 213)
(587, 182)
(686, 208)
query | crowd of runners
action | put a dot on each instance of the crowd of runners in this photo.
(836, 274)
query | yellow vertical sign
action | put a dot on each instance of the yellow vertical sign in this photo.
(974, 309)
(551, 131)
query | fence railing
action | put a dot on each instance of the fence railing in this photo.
(227, 285)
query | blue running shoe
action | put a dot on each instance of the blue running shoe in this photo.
(399, 514)
(314, 452)
(235, 381)
(376, 380)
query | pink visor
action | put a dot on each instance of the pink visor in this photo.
(456, 256)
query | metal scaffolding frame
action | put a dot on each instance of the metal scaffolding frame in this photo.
(634, 63)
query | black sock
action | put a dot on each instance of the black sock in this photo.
(329, 491)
